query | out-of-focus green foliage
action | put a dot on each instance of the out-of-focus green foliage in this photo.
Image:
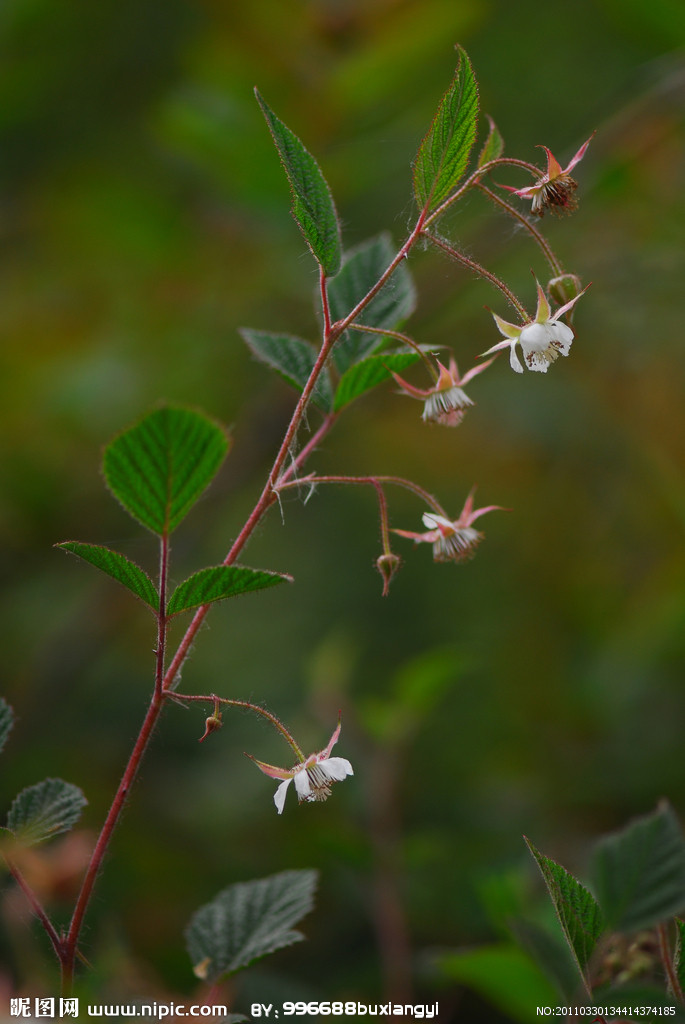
(145, 220)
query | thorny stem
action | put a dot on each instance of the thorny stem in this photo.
(667, 961)
(522, 219)
(480, 270)
(277, 724)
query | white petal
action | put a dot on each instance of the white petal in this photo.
(336, 768)
(302, 785)
(433, 521)
(514, 360)
(562, 335)
(535, 338)
(279, 795)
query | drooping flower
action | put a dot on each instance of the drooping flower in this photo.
(555, 188)
(542, 340)
(313, 776)
(445, 402)
(453, 541)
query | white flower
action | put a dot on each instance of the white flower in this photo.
(542, 340)
(452, 540)
(313, 777)
(446, 401)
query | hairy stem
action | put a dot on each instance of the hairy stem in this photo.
(474, 179)
(466, 261)
(522, 219)
(373, 481)
(69, 947)
(230, 702)
(331, 333)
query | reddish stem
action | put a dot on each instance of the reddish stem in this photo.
(164, 680)
(69, 947)
(373, 481)
(523, 220)
(36, 906)
(480, 270)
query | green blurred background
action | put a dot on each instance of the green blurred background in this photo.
(538, 689)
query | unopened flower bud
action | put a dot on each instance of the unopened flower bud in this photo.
(211, 725)
(564, 288)
(387, 565)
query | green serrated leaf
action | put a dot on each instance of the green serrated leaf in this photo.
(218, 582)
(396, 300)
(493, 146)
(248, 920)
(6, 721)
(159, 468)
(312, 202)
(444, 153)
(45, 810)
(118, 567)
(293, 359)
(639, 872)
(577, 910)
(368, 374)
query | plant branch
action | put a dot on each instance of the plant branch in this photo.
(216, 700)
(473, 179)
(466, 261)
(522, 219)
(70, 945)
(373, 481)
(36, 906)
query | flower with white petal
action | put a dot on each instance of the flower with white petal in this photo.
(445, 402)
(554, 190)
(313, 776)
(542, 340)
(452, 540)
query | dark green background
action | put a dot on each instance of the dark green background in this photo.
(144, 218)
